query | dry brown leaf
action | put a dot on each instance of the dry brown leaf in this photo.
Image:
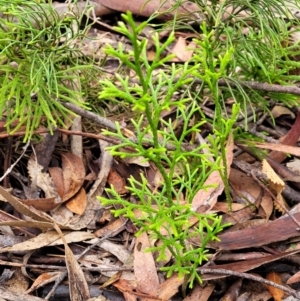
(275, 181)
(276, 185)
(46, 239)
(170, 287)
(106, 161)
(45, 204)
(139, 160)
(113, 278)
(200, 293)
(129, 289)
(79, 290)
(20, 207)
(295, 278)
(277, 230)
(74, 236)
(151, 54)
(42, 180)
(290, 138)
(43, 279)
(112, 227)
(205, 199)
(56, 174)
(234, 291)
(286, 149)
(30, 224)
(78, 202)
(244, 186)
(276, 293)
(42, 240)
(223, 207)
(117, 182)
(144, 267)
(7, 294)
(182, 51)
(267, 204)
(73, 174)
(278, 111)
(245, 265)
(120, 251)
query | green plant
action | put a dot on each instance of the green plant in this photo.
(183, 172)
(247, 44)
(260, 32)
(41, 65)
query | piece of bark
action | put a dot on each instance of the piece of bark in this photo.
(147, 8)
(274, 231)
(291, 138)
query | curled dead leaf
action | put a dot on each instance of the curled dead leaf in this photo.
(43, 204)
(78, 202)
(73, 174)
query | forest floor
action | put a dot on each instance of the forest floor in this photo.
(59, 242)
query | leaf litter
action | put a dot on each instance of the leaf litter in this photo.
(58, 206)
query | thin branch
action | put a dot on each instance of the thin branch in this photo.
(259, 86)
(250, 277)
(91, 116)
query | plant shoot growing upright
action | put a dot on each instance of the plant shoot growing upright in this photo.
(165, 216)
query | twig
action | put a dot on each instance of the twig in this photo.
(257, 86)
(59, 267)
(15, 163)
(91, 116)
(250, 277)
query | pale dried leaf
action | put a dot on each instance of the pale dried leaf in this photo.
(118, 250)
(79, 290)
(20, 207)
(144, 267)
(58, 179)
(48, 238)
(294, 166)
(182, 51)
(275, 181)
(278, 111)
(74, 236)
(73, 174)
(170, 287)
(43, 204)
(105, 166)
(294, 279)
(284, 148)
(93, 205)
(62, 215)
(139, 160)
(42, 180)
(13, 296)
(200, 293)
(43, 279)
(245, 186)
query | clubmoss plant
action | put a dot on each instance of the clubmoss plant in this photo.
(40, 65)
(166, 212)
(239, 41)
